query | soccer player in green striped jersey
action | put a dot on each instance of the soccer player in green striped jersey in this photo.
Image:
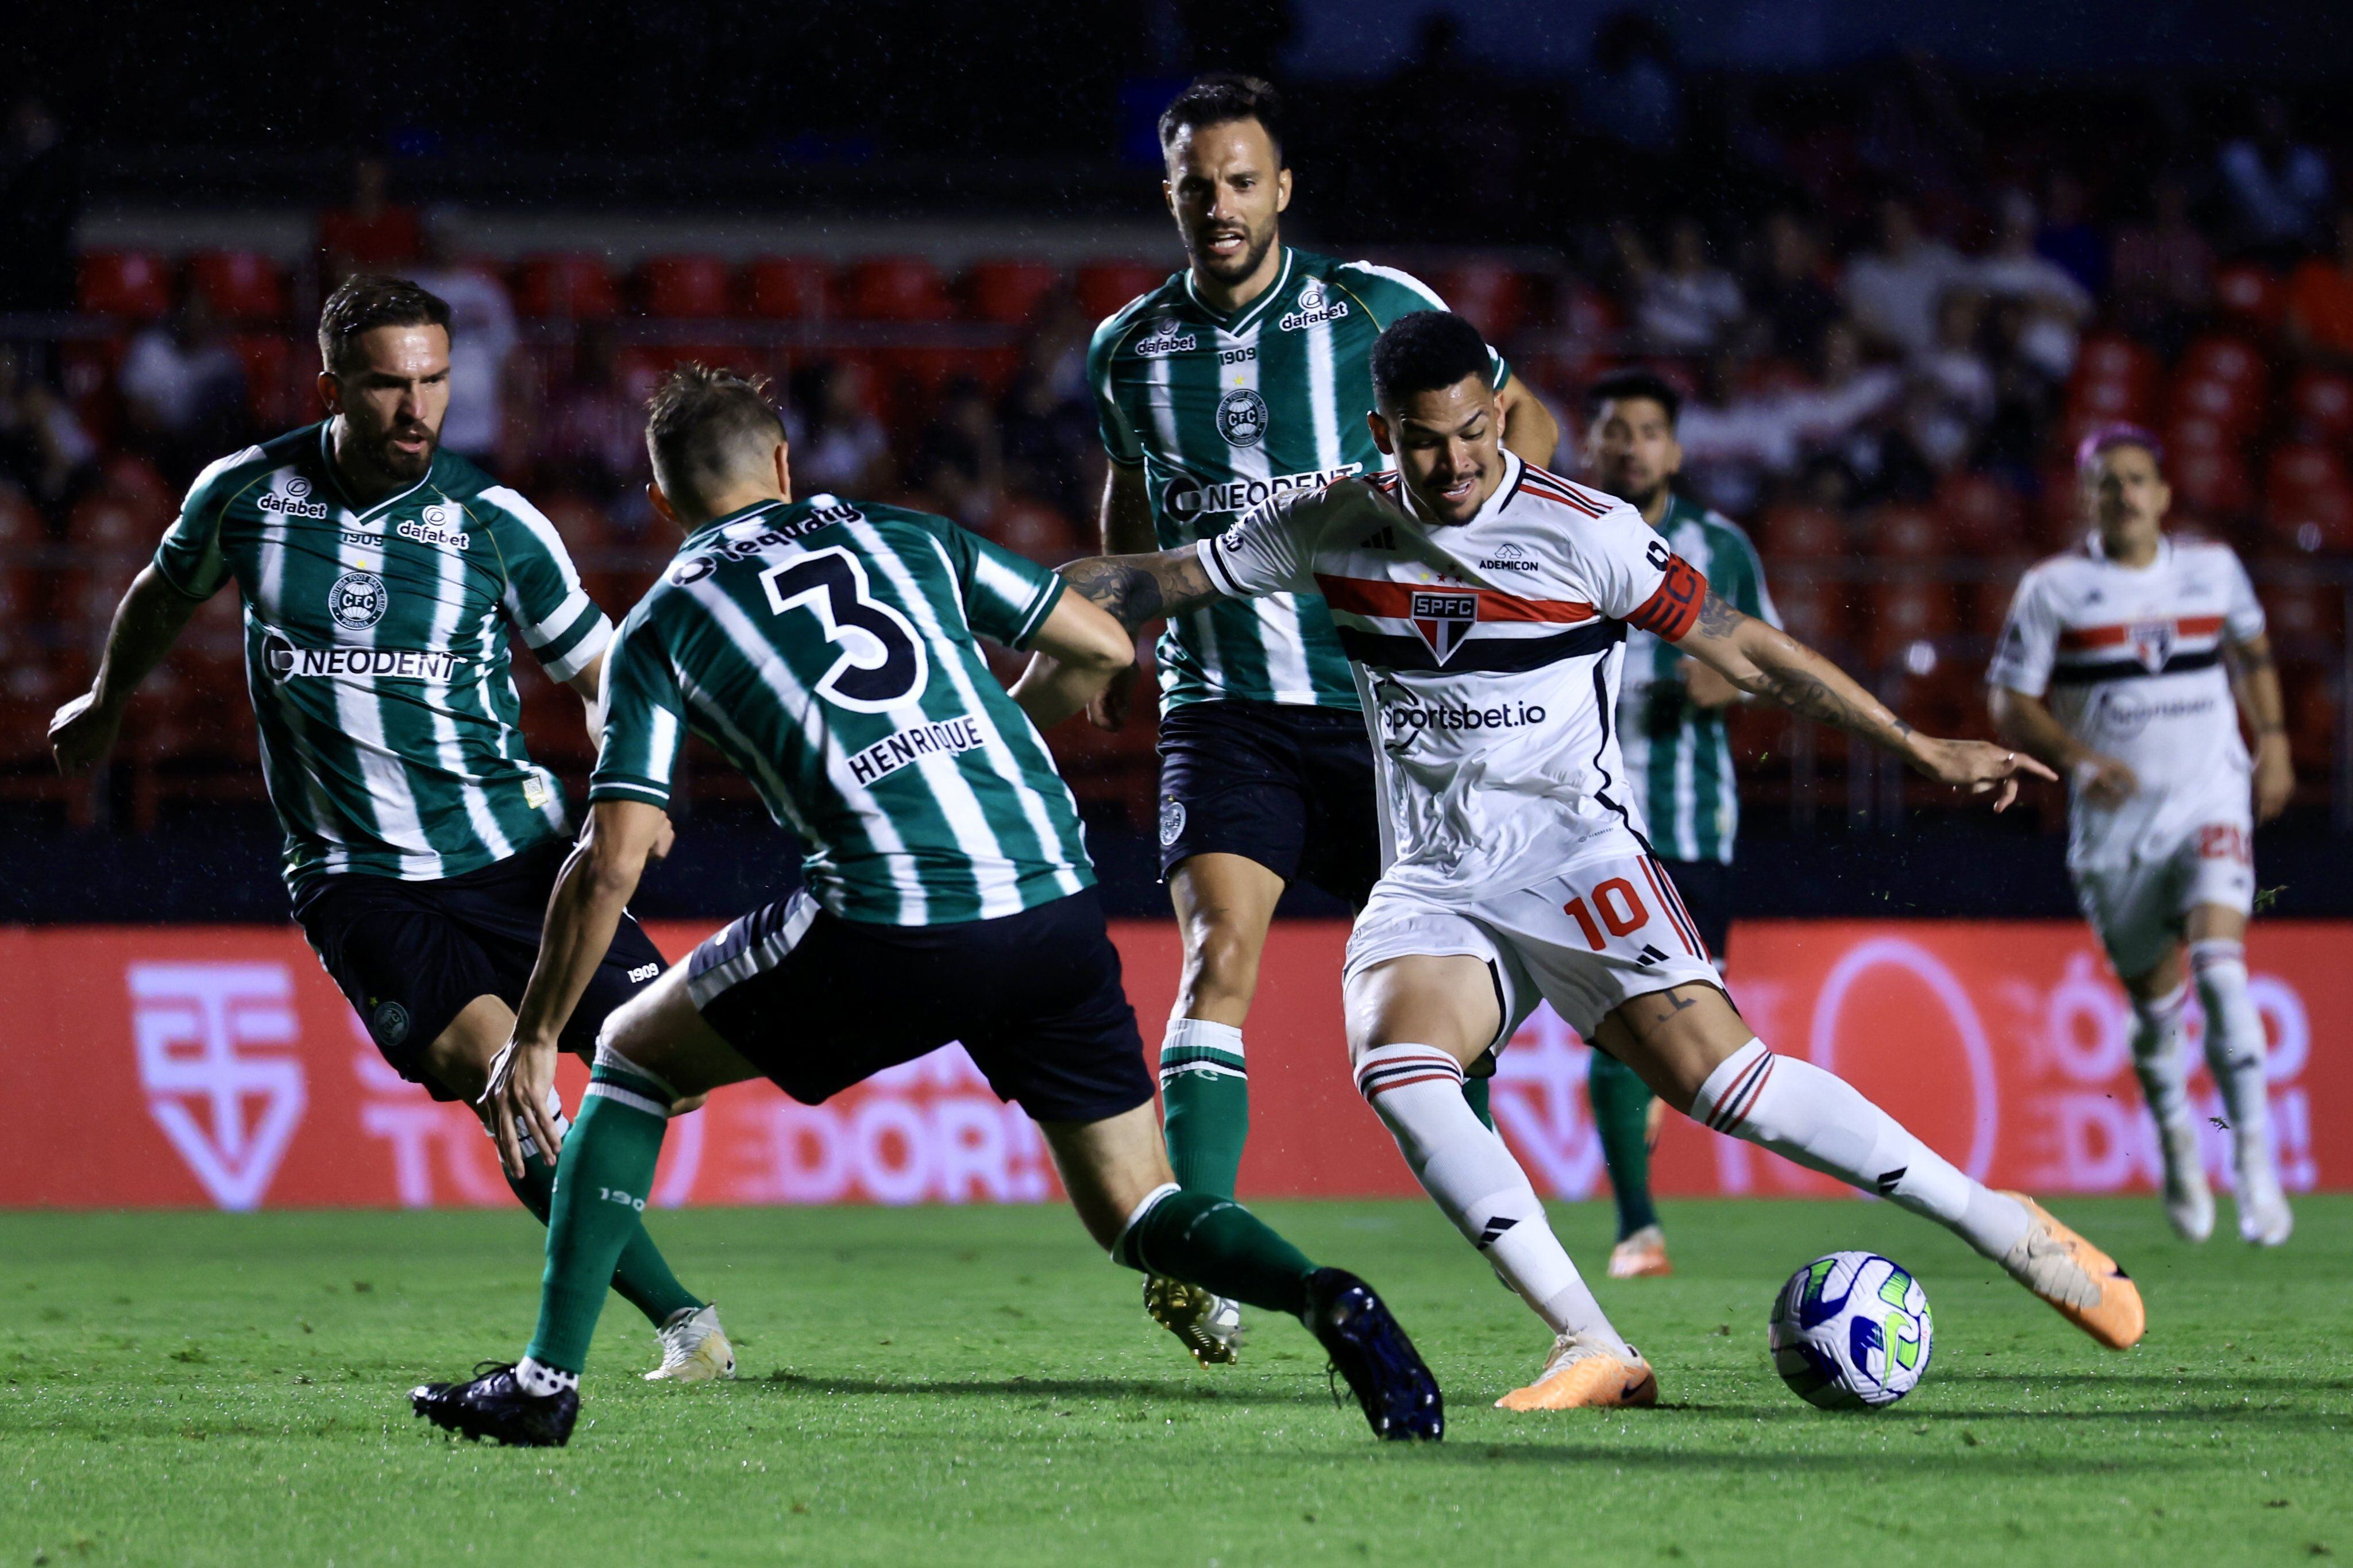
(381, 578)
(1678, 755)
(827, 648)
(1239, 378)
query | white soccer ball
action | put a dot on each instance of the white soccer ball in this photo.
(1852, 1331)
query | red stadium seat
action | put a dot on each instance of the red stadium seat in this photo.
(1107, 287)
(2298, 468)
(2223, 358)
(103, 524)
(241, 284)
(1813, 606)
(1989, 597)
(278, 384)
(2213, 483)
(2312, 521)
(1798, 532)
(133, 284)
(2312, 716)
(684, 287)
(788, 288)
(1497, 298)
(21, 535)
(1904, 611)
(2251, 295)
(1009, 292)
(1905, 532)
(2320, 406)
(1033, 529)
(2236, 407)
(2109, 356)
(131, 478)
(2304, 615)
(1981, 513)
(897, 289)
(568, 287)
(2105, 402)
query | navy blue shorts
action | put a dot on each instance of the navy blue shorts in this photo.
(1289, 786)
(818, 1003)
(411, 955)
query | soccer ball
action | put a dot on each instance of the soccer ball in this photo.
(1850, 1330)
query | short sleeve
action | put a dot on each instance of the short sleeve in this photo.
(1006, 596)
(2030, 640)
(189, 558)
(644, 719)
(1267, 550)
(1119, 434)
(544, 600)
(2242, 615)
(1634, 577)
(1389, 292)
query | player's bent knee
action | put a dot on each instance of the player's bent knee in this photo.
(660, 1032)
(1221, 962)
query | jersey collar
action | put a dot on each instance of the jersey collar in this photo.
(334, 477)
(1247, 318)
(2098, 550)
(703, 531)
(1513, 472)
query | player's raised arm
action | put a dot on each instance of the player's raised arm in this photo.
(146, 624)
(1139, 589)
(1529, 428)
(1765, 661)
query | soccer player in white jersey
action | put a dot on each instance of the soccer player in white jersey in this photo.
(2119, 666)
(1518, 875)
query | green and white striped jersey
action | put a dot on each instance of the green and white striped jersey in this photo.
(1223, 411)
(375, 650)
(826, 648)
(1678, 757)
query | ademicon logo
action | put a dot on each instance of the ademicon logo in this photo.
(226, 1099)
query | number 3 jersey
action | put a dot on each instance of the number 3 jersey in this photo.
(2132, 661)
(1486, 654)
(827, 649)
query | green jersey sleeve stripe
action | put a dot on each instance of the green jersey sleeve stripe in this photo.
(576, 647)
(1038, 613)
(616, 786)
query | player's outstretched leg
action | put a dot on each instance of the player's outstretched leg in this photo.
(1118, 1179)
(1819, 1120)
(2235, 1055)
(1621, 1120)
(1466, 1168)
(2164, 1083)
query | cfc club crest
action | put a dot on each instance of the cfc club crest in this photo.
(1443, 618)
(1242, 417)
(1172, 821)
(356, 601)
(2152, 643)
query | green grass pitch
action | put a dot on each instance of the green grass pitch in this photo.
(952, 1386)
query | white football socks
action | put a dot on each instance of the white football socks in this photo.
(2235, 1048)
(542, 1382)
(1465, 1165)
(1818, 1120)
(2158, 1058)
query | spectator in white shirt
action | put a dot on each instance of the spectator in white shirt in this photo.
(1684, 307)
(482, 337)
(1892, 290)
(2056, 304)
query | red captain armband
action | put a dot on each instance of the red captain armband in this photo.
(1670, 612)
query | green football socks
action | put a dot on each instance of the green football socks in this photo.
(1622, 1105)
(1475, 1091)
(1217, 1243)
(642, 1277)
(1205, 1103)
(602, 1180)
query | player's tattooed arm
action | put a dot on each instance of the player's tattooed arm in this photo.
(1768, 662)
(1140, 588)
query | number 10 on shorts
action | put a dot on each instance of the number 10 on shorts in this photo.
(1616, 907)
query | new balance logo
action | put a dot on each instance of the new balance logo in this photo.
(1494, 1231)
(1651, 955)
(1887, 1180)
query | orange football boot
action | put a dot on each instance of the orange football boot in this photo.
(2078, 1278)
(1583, 1376)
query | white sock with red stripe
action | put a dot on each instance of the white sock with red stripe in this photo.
(1465, 1165)
(2235, 1045)
(1817, 1120)
(2156, 1056)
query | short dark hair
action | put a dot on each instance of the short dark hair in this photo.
(1619, 385)
(1219, 97)
(1426, 351)
(707, 427)
(363, 303)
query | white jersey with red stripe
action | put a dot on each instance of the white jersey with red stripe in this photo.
(1487, 654)
(2131, 659)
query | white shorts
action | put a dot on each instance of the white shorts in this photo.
(1605, 930)
(2138, 908)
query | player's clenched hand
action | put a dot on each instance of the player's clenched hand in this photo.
(523, 1085)
(1978, 766)
(1108, 709)
(2106, 782)
(82, 732)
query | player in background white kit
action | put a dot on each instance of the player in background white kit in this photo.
(2119, 666)
(1483, 603)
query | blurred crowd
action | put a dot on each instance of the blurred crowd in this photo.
(1888, 348)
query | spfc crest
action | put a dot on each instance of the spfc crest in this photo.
(2152, 644)
(1443, 618)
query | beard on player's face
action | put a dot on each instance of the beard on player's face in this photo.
(399, 444)
(1203, 239)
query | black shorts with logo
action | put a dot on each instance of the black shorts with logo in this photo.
(411, 955)
(818, 1002)
(1287, 785)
